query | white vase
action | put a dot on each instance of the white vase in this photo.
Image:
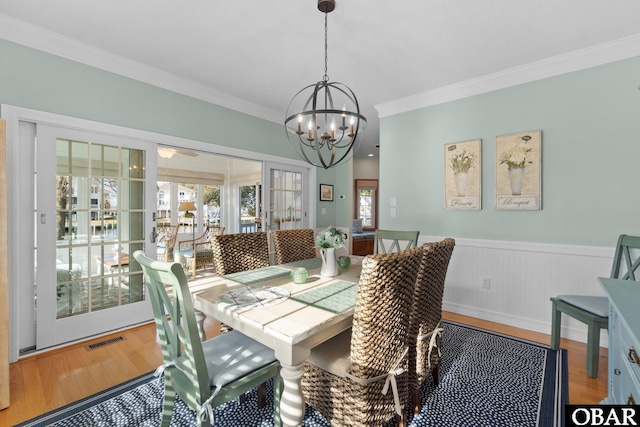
(329, 263)
(461, 183)
(516, 177)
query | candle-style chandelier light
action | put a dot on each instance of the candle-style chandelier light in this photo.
(323, 121)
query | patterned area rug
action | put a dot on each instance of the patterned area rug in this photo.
(486, 379)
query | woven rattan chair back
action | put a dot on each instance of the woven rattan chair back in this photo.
(294, 245)
(381, 312)
(240, 252)
(378, 344)
(392, 241)
(426, 315)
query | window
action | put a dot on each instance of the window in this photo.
(104, 224)
(209, 212)
(367, 202)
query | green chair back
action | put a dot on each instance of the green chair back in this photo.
(177, 328)
(399, 240)
(238, 363)
(626, 244)
(594, 310)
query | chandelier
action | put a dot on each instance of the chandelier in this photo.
(323, 120)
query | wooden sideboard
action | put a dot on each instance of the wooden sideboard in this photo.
(624, 341)
(362, 246)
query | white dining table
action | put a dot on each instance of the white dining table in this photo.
(307, 315)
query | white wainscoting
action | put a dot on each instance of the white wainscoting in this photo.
(523, 278)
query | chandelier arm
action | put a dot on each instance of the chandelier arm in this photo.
(343, 156)
(304, 154)
(320, 157)
(339, 141)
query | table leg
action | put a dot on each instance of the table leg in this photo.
(292, 401)
(200, 316)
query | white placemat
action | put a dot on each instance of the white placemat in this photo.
(253, 296)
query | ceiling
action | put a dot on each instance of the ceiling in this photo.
(254, 55)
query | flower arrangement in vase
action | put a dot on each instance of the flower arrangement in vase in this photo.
(517, 157)
(461, 162)
(328, 240)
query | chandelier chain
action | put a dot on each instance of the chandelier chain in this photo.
(326, 57)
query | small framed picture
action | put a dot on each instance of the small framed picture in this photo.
(326, 193)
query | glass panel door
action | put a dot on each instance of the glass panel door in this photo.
(99, 219)
(249, 195)
(286, 199)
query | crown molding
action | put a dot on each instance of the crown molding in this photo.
(29, 35)
(20, 32)
(600, 54)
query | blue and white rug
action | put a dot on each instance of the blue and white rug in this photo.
(486, 379)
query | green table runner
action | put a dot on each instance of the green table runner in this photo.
(309, 264)
(258, 275)
(335, 297)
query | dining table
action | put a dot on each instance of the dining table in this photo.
(291, 318)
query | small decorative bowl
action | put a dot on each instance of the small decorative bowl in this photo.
(344, 262)
(299, 275)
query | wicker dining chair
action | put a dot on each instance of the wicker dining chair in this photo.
(240, 252)
(392, 241)
(294, 245)
(166, 242)
(204, 374)
(347, 378)
(197, 253)
(425, 327)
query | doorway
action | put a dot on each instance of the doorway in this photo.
(91, 208)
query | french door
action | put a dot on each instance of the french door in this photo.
(94, 207)
(286, 203)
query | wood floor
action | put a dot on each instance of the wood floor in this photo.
(47, 381)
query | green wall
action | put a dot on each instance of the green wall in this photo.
(33, 79)
(41, 81)
(337, 211)
(590, 123)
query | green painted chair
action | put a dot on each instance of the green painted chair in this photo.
(394, 241)
(594, 310)
(204, 374)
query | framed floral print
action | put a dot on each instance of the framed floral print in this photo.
(462, 175)
(518, 171)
